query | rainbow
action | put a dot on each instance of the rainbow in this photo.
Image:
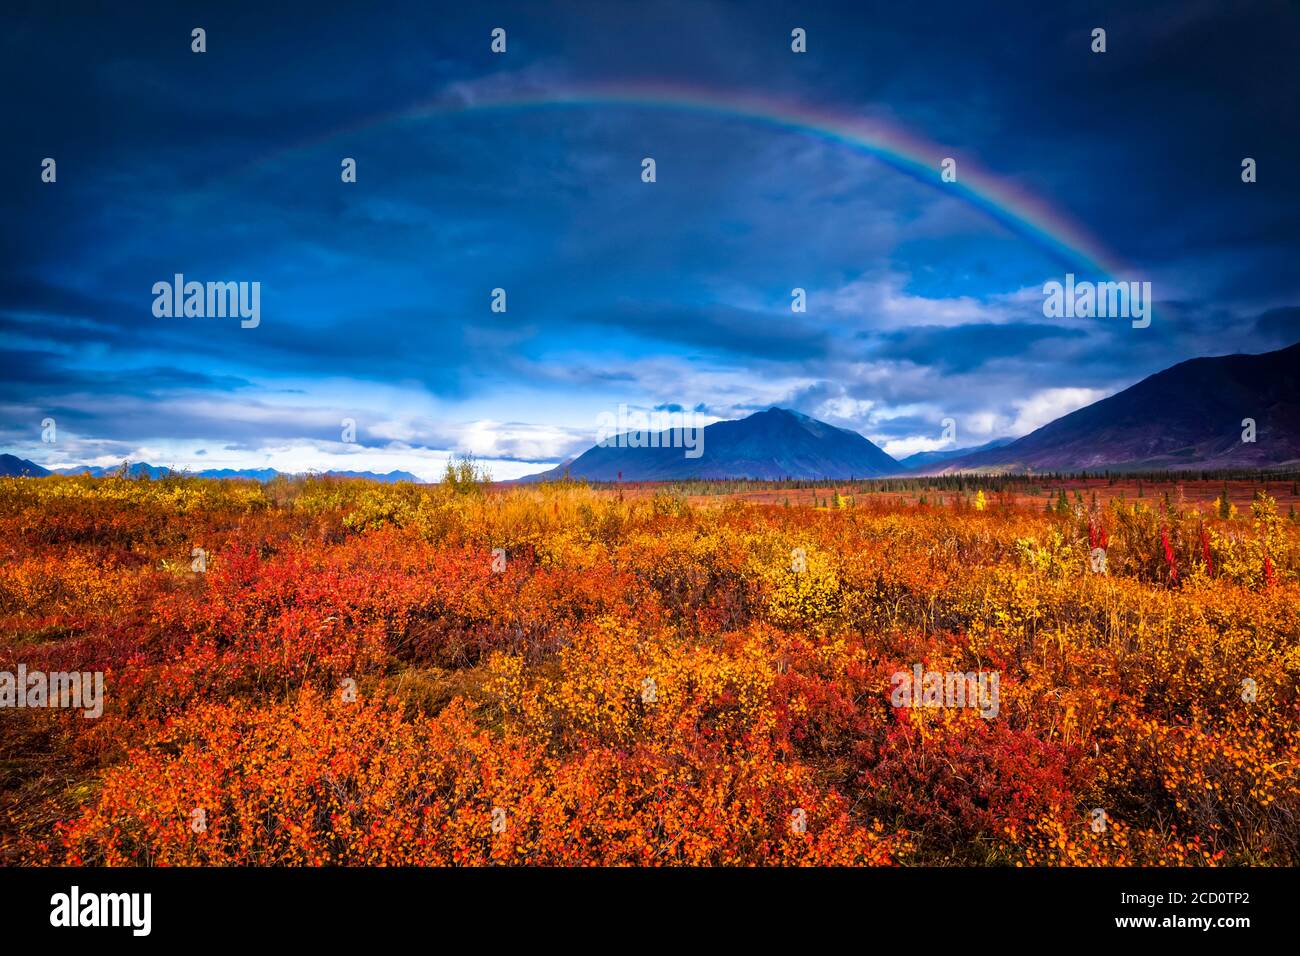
(1023, 213)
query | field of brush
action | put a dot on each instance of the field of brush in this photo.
(321, 672)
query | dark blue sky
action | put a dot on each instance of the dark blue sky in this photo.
(375, 296)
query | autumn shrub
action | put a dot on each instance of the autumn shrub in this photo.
(361, 673)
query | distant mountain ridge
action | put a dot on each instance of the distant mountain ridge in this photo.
(767, 445)
(12, 466)
(1191, 415)
(923, 459)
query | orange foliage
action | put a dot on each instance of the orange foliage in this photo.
(644, 682)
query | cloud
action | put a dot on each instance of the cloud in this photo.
(902, 447)
(921, 306)
(880, 303)
(519, 441)
(718, 328)
(967, 347)
(1280, 326)
(1049, 405)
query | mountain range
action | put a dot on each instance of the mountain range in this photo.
(924, 459)
(1192, 415)
(1198, 414)
(12, 466)
(772, 444)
